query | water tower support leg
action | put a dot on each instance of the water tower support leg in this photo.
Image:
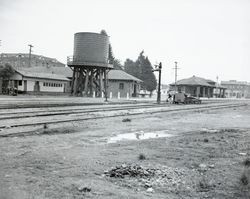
(72, 82)
(100, 81)
(105, 85)
(76, 81)
(81, 81)
(86, 82)
(91, 82)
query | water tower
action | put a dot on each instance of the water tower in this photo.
(90, 64)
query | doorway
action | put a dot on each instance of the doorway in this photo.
(36, 86)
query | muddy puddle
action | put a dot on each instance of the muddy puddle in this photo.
(140, 135)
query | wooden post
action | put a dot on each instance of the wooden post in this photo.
(198, 91)
(72, 82)
(204, 91)
(100, 81)
(86, 82)
(76, 81)
(91, 82)
(105, 85)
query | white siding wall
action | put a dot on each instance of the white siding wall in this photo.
(30, 85)
(49, 88)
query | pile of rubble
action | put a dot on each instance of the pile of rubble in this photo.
(141, 176)
(130, 170)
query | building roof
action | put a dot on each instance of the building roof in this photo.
(63, 71)
(121, 75)
(234, 82)
(195, 81)
(42, 75)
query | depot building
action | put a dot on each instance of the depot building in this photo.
(29, 82)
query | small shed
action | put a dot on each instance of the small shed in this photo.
(122, 84)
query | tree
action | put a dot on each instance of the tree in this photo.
(131, 68)
(148, 77)
(142, 69)
(117, 64)
(6, 72)
(111, 57)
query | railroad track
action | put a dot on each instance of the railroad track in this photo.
(56, 111)
(70, 110)
(101, 113)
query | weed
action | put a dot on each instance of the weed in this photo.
(244, 179)
(141, 157)
(45, 126)
(246, 162)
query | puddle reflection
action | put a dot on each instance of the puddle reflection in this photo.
(139, 136)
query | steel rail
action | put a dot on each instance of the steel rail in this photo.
(193, 108)
(76, 111)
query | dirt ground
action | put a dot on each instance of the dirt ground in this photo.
(203, 157)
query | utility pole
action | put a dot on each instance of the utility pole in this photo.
(30, 54)
(158, 68)
(175, 82)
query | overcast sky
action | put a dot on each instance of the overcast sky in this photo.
(207, 38)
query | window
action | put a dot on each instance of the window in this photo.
(121, 85)
(20, 83)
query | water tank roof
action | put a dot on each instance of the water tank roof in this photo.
(91, 33)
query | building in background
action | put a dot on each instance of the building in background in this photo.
(21, 60)
(49, 76)
(32, 82)
(198, 87)
(236, 89)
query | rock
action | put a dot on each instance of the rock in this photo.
(202, 166)
(84, 189)
(205, 140)
(211, 166)
(148, 185)
(126, 120)
(124, 165)
(150, 190)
